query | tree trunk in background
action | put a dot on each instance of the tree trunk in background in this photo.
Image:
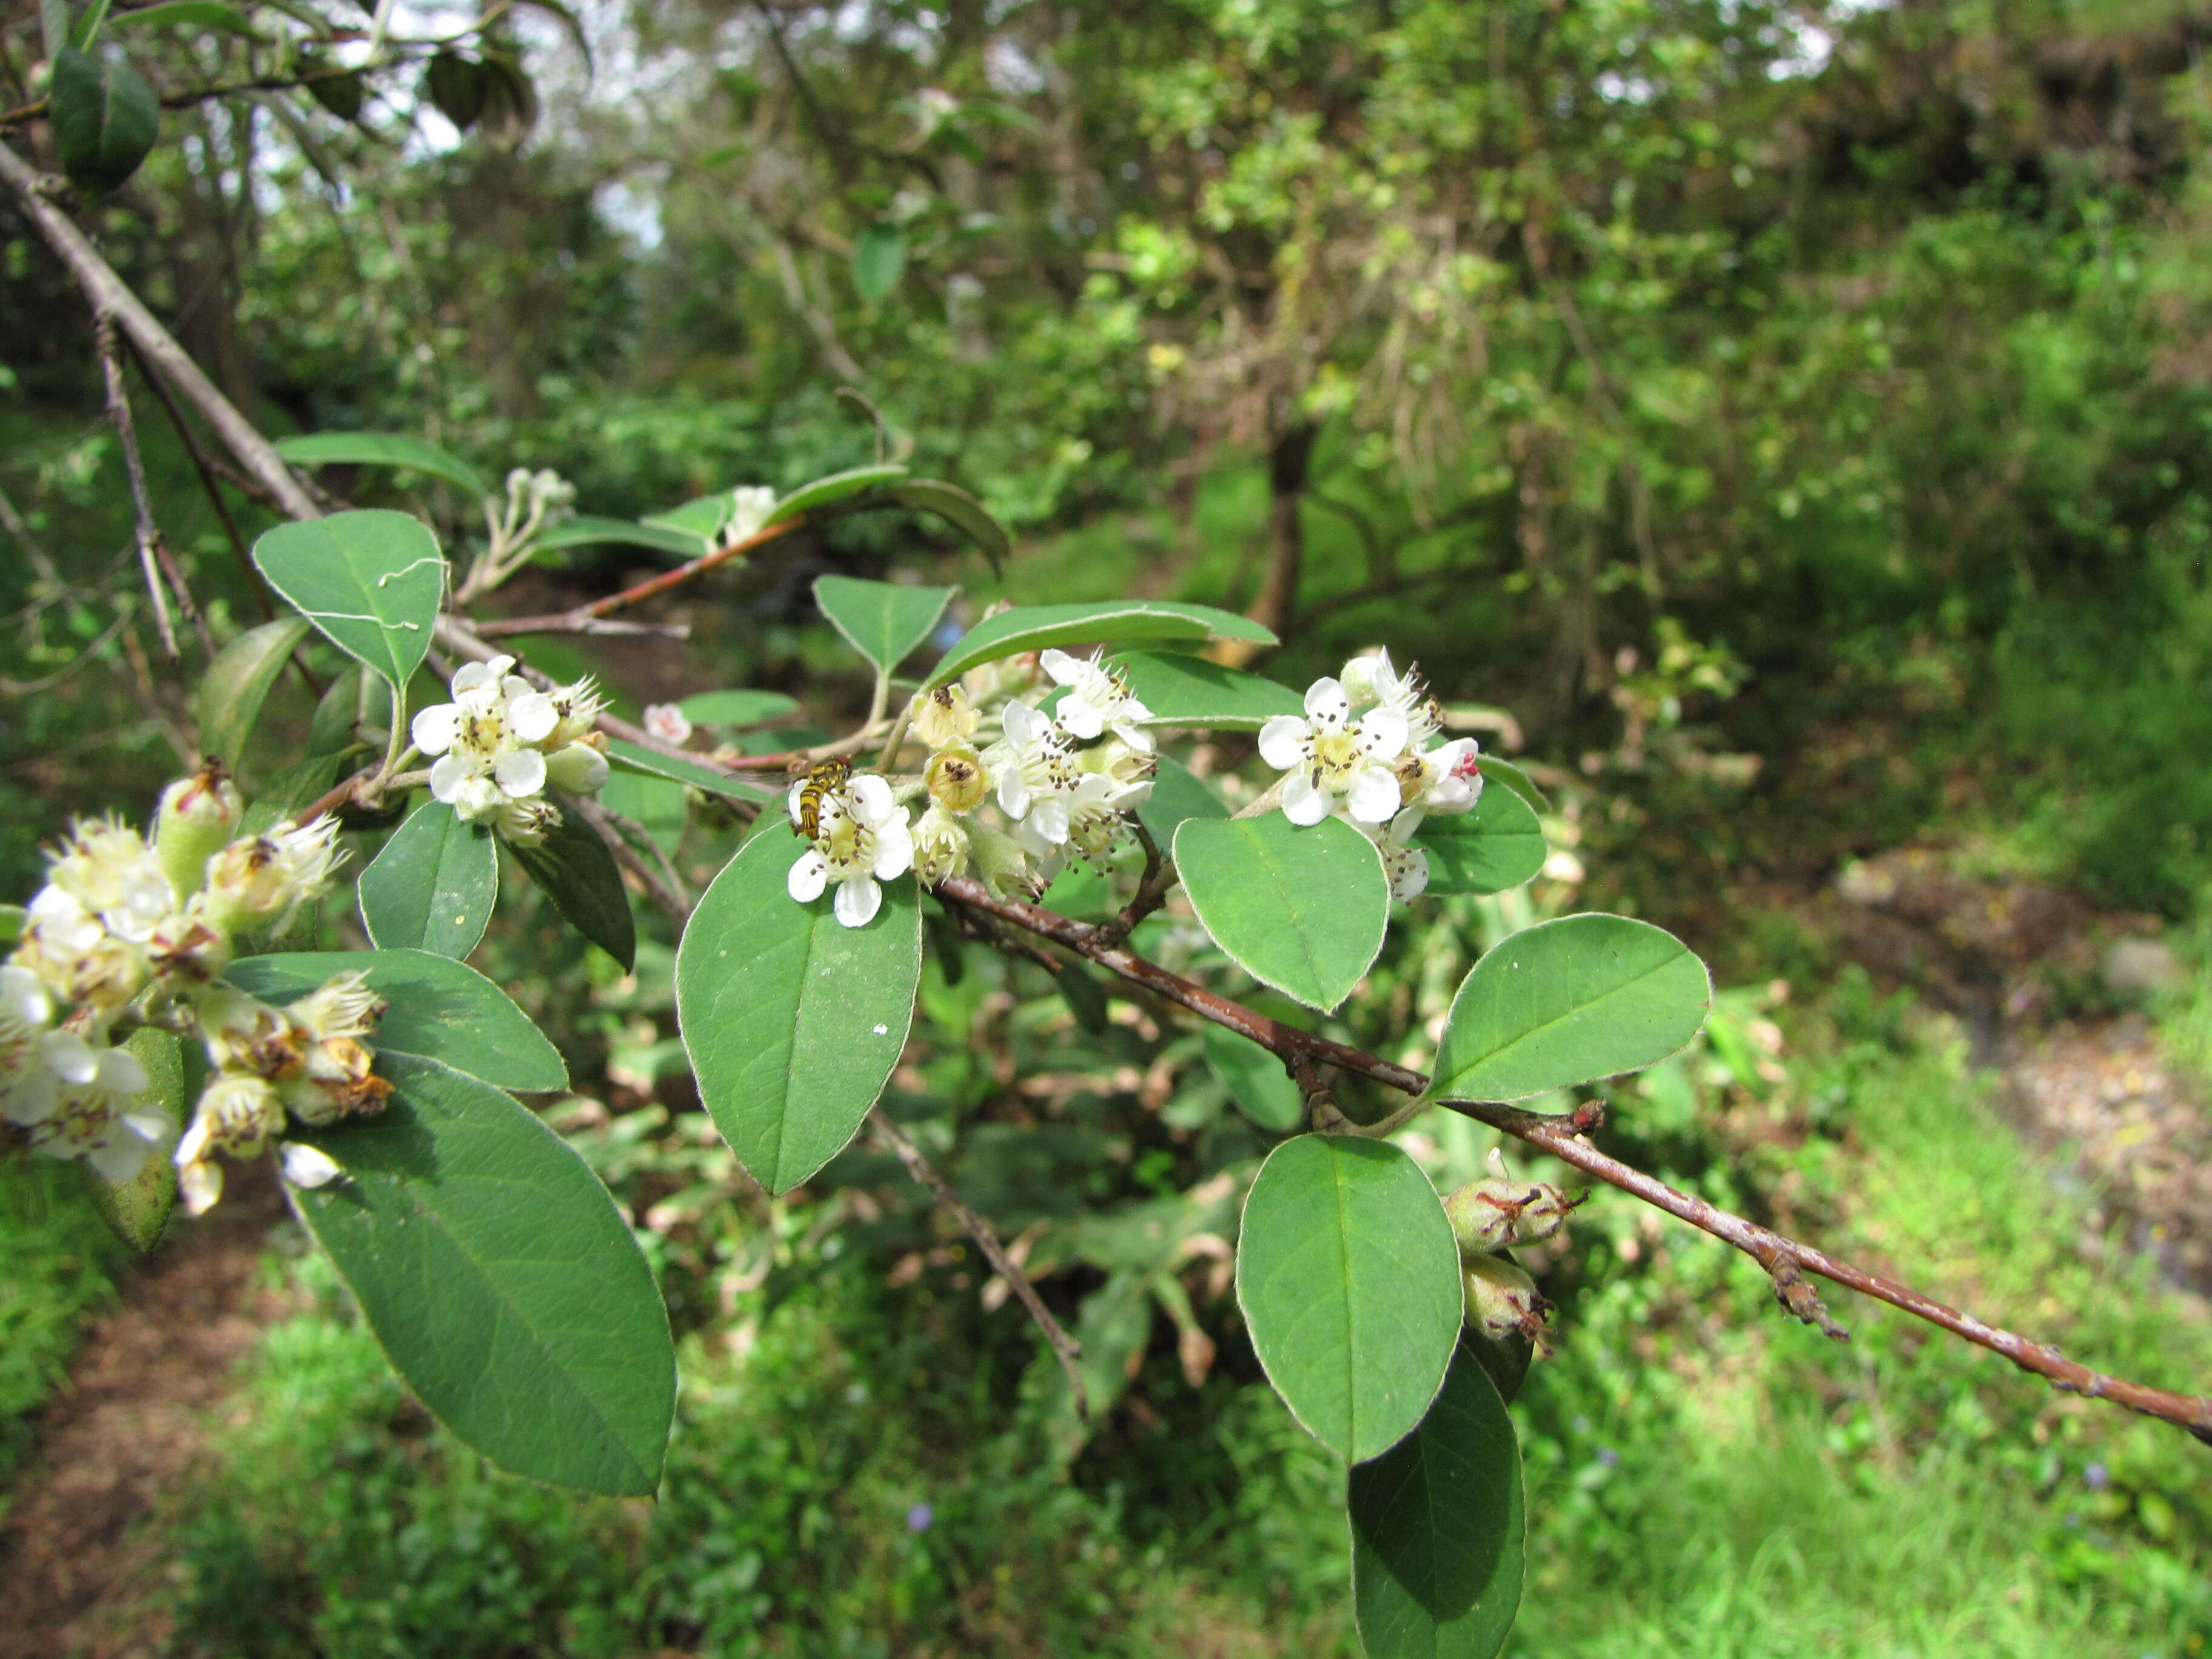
(1276, 599)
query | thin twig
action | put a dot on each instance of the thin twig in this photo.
(153, 553)
(1064, 1347)
(570, 621)
(661, 885)
(1153, 889)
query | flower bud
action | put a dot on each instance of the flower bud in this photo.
(940, 846)
(1492, 1214)
(525, 823)
(943, 717)
(957, 779)
(309, 1166)
(1002, 863)
(578, 769)
(668, 722)
(200, 1185)
(1502, 1300)
(237, 1113)
(198, 816)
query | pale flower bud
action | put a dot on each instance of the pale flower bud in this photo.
(665, 721)
(957, 779)
(1005, 866)
(200, 1185)
(198, 816)
(943, 717)
(1493, 1215)
(309, 1166)
(1502, 1300)
(525, 823)
(578, 769)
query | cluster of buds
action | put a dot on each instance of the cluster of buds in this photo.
(502, 745)
(1494, 1214)
(133, 931)
(1365, 751)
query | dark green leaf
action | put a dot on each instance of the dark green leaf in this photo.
(638, 758)
(879, 260)
(290, 793)
(458, 86)
(584, 531)
(1496, 844)
(1185, 690)
(882, 621)
(1257, 1079)
(106, 118)
(1085, 998)
(229, 699)
(372, 581)
(501, 1281)
(793, 1020)
(1567, 1002)
(184, 14)
(383, 449)
(835, 488)
(1177, 794)
(435, 1008)
(342, 94)
(1348, 1276)
(963, 511)
(737, 708)
(574, 868)
(1033, 627)
(1438, 1530)
(432, 887)
(1301, 909)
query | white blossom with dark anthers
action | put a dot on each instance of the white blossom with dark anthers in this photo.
(486, 739)
(1332, 762)
(1406, 864)
(237, 1116)
(943, 716)
(1034, 764)
(940, 845)
(576, 710)
(861, 838)
(1098, 701)
(1441, 780)
(1372, 682)
(110, 870)
(1097, 814)
(81, 1100)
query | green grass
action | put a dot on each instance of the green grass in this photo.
(57, 1259)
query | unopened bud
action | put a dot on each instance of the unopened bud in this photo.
(1502, 1300)
(1494, 1214)
(1000, 860)
(309, 1166)
(197, 818)
(957, 779)
(578, 769)
(943, 716)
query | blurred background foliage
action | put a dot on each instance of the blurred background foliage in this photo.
(1783, 426)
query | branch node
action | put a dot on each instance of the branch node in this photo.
(1798, 1298)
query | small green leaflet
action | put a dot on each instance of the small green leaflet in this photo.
(574, 867)
(1567, 1002)
(882, 621)
(1439, 1529)
(638, 758)
(370, 581)
(879, 260)
(793, 1020)
(1177, 794)
(1348, 1277)
(1256, 1080)
(501, 1281)
(835, 488)
(586, 530)
(229, 699)
(737, 708)
(383, 449)
(435, 1008)
(961, 510)
(432, 887)
(1496, 844)
(1301, 909)
(1033, 627)
(1186, 691)
(105, 118)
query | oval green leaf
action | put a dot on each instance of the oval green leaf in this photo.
(586, 531)
(963, 511)
(1439, 1529)
(371, 580)
(432, 887)
(1178, 794)
(879, 260)
(391, 449)
(229, 699)
(574, 867)
(106, 118)
(638, 758)
(501, 1281)
(1567, 1002)
(435, 1008)
(137, 1211)
(1256, 1080)
(186, 14)
(1301, 909)
(1185, 690)
(1348, 1277)
(1033, 627)
(737, 708)
(1495, 844)
(882, 621)
(835, 488)
(793, 1020)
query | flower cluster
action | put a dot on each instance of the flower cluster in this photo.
(1365, 751)
(502, 743)
(130, 931)
(860, 837)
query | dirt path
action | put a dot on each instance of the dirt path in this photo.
(130, 1423)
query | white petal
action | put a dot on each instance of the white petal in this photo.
(520, 772)
(120, 1155)
(1414, 879)
(1050, 818)
(808, 877)
(531, 717)
(894, 849)
(1063, 668)
(791, 800)
(1404, 827)
(1302, 803)
(31, 1098)
(872, 799)
(1383, 733)
(858, 900)
(1014, 793)
(474, 676)
(1130, 733)
(1080, 718)
(70, 1057)
(309, 1166)
(1326, 701)
(1023, 724)
(1283, 741)
(120, 1074)
(433, 728)
(200, 1185)
(447, 776)
(1374, 794)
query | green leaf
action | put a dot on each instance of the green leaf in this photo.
(383, 449)
(638, 758)
(1184, 690)
(1301, 909)
(1505, 772)
(1567, 1002)
(372, 581)
(1084, 998)
(458, 87)
(1256, 1080)
(882, 621)
(1438, 1530)
(1033, 627)
(835, 488)
(654, 804)
(576, 869)
(290, 793)
(586, 530)
(356, 698)
(137, 1211)
(879, 260)
(1348, 1277)
(793, 1020)
(229, 699)
(432, 887)
(703, 518)
(12, 918)
(342, 93)
(737, 708)
(501, 1281)
(105, 118)
(961, 510)
(185, 14)
(1496, 844)
(435, 1008)
(1177, 794)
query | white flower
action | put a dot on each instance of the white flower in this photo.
(943, 717)
(309, 1166)
(940, 845)
(345, 1006)
(90, 1109)
(1446, 780)
(577, 709)
(1098, 700)
(70, 951)
(862, 837)
(1372, 682)
(1331, 759)
(25, 1011)
(487, 738)
(112, 873)
(667, 722)
(1096, 813)
(238, 1112)
(525, 823)
(750, 505)
(1033, 763)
